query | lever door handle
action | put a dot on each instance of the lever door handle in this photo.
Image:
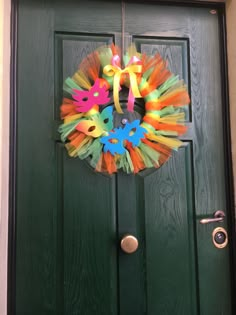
(218, 217)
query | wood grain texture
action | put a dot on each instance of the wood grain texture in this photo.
(70, 50)
(89, 233)
(206, 133)
(175, 52)
(70, 219)
(44, 271)
(92, 16)
(35, 264)
(170, 238)
(132, 276)
(209, 157)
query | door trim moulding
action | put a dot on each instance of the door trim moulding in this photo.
(11, 272)
(217, 4)
(228, 152)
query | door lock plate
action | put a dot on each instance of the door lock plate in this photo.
(220, 237)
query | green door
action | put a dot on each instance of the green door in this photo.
(70, 219)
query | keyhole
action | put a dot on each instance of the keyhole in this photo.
(220, 237)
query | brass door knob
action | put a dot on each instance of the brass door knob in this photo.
(129, 244)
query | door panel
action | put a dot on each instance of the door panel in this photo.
(170, 239)
(70, 219)
(70, 50)
(174, 50)
(89, 233)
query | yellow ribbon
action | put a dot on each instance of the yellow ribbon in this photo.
(116, 71)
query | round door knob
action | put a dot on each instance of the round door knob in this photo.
(129, 244)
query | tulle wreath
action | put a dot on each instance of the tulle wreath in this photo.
(92, 97)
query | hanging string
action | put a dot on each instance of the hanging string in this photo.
(122, 27)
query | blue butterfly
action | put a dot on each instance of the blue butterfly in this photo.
(114, 142)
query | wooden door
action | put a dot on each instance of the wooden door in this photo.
(70, 219)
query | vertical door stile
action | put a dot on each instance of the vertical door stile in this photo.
(131, 272)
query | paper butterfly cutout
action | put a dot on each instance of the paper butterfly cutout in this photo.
(85, 100)
(114, 142)
(134, 132)
(100, 123)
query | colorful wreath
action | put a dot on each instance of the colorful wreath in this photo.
(88, 124)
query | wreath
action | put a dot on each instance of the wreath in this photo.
(92, 98)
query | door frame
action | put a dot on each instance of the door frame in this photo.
(217, 4)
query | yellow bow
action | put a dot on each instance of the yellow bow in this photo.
(116, 71)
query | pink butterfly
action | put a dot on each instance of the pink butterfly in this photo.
(85, 100)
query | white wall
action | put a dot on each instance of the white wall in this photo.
(4, 124)
(4, 145)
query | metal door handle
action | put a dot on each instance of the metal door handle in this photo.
(218, 217)
(129, 244)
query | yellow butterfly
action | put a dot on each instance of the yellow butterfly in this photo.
(99, 124)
